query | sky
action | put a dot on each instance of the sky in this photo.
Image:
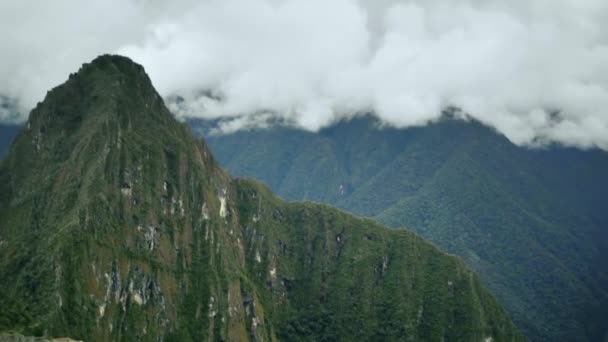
(535, 70)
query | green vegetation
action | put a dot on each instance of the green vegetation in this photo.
(532, 223)
(117, 224)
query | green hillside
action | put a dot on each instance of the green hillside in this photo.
(532, 223)
(117, 224)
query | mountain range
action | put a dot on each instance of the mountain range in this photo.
(116, 223)
(531, 221)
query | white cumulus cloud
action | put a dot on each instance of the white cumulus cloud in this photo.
(535, 70)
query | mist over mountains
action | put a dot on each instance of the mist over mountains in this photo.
(116, 223)
(534, 70)
(477, 130)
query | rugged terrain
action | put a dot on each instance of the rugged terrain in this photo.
(532, 222)
(117, 224)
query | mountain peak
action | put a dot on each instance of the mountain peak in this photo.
(116, 69)
(115, 61)
(111, 92)
(108, 106)
(108, 80)
(117, 224)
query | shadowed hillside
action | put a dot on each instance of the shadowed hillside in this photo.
(533, 223)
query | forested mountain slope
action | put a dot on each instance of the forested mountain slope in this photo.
(532, 222)
(117, 224)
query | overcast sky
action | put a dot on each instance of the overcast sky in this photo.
(511, 64)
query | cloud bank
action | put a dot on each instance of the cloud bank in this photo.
(535, 70)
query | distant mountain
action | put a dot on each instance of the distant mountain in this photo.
(117, 224)
(8, 132)
(533, 223)
(8, 129)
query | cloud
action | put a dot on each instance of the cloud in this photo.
(537, 71)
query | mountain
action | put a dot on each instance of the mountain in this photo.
(532, 222)
(8, 128)
(7, 134)
(117, 224)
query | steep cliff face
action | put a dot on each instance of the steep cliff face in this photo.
(117, 224)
